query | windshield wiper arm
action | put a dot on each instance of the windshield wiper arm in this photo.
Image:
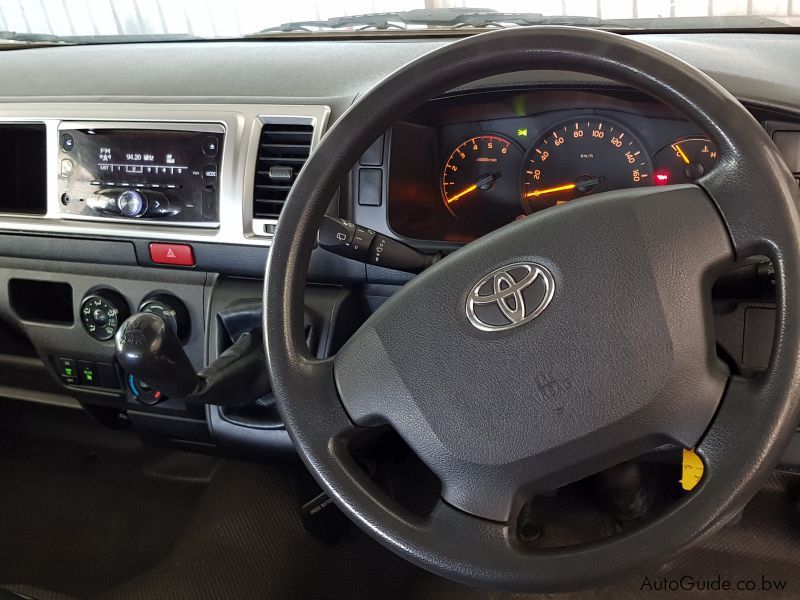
(30, 39)
(444, 17)
(15, 39)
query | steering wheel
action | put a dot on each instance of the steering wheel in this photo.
(619, 359)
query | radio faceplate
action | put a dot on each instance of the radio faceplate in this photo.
(158, 173)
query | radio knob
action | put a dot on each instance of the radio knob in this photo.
(131, 203)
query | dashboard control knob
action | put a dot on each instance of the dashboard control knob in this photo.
(102, 312)
(100, 316)
(172, 310)
(131, 203)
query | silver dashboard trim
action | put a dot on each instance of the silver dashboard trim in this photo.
(242, 124)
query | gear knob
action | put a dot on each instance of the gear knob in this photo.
(149, 349)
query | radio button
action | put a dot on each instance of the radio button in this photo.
(211, 146)
(67, 142)
(67, 167)
(210, 173)
(159, 206)
(208, 206)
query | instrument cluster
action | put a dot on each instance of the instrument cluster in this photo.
(462, 167)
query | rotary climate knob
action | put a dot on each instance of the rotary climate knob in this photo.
(102, 313)
(131, 203)
(172, 310)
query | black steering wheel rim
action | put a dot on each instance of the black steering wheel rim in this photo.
(753, 192)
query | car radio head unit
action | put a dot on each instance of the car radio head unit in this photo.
(159, 173)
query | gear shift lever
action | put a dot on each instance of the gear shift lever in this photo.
(148, 348)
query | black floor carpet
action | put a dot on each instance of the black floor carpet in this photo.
(93, 513)
(83, 508)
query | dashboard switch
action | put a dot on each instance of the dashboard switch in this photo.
(180, 255)
(87, 371)
(370, 187)
(68, 371)
(108, 375)
(373, 157)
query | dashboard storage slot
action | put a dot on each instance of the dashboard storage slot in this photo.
(23, 169)
(41, 301)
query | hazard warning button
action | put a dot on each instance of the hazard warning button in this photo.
(172, 254)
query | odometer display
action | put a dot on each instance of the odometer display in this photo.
(582, 156)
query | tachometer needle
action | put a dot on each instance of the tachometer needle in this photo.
(681, 153)
(462, 193)
(560, 188)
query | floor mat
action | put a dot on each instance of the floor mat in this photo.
(84, 508)
(246, 541)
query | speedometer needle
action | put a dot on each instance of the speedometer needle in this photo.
(471, 188)
(559, 188)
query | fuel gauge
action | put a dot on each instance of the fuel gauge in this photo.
(684, 161)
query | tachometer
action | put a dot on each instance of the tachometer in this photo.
(479, 180)
(581, 156)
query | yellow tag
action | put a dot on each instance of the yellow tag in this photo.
(692, 471)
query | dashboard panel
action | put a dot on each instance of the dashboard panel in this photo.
(466, 165)
(268, 117)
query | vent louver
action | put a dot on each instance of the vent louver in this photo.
(283, 149)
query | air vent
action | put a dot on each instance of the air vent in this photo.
(283, 150)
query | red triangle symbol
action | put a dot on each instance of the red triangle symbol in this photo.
(170, 253)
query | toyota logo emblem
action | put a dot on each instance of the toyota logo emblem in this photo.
(510, 296)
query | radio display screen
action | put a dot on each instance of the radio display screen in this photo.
(174, 174)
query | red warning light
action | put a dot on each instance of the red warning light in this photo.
(662, 177)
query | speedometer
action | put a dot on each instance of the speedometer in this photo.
(582, 156)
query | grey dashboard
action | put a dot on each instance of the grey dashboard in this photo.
(238, 87)
(753, 67)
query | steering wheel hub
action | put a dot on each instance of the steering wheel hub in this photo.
(620, 363)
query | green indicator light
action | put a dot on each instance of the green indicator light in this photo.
(88, 375)
(68, 372)
(522, 132)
